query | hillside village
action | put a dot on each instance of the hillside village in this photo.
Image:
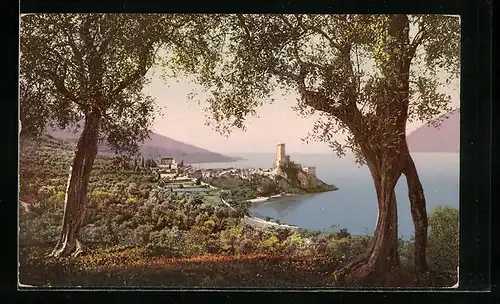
(236, 185)
(170, 169)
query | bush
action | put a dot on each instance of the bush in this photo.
(267, 187)
(295, 244)
(270, 244)
(229, 239)
(41, 225)
(442, 244)
(163, 242)
(194, 244)
(343, 234)
(407, 252)
(443, 239)
(346, 249)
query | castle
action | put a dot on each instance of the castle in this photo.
(282, 159)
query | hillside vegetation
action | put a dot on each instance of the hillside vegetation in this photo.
(139, 233)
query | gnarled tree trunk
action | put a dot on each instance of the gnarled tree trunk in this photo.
(419, 215)
(76, 192)
(382, 256)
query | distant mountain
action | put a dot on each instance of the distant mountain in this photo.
(444, 138)
(157, 145)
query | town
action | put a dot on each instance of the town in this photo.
(171, 170)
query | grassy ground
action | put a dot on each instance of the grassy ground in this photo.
(129, 267)
(212, 198)
(132, 267)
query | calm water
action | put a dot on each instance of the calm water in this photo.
(354, 205)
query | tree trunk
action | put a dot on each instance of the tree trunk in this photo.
(419, 215)
(382, 256)
(76, 192)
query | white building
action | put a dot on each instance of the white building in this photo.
(310, 170)
(167, 163)
(168, 175)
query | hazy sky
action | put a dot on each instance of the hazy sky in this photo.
(184, 120)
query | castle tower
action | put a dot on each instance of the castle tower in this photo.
(280, 155)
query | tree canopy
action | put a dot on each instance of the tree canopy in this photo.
(339, 64)
(72, 64)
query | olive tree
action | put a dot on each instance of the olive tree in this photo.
(367, 75)
(92, 68)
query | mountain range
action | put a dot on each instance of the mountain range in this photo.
(157, 145)
(427, 138)
(442, 138)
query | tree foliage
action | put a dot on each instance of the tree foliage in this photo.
(341, 58)
(73, 64)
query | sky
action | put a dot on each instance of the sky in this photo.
(184, 120)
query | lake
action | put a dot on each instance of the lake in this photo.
(354, 205)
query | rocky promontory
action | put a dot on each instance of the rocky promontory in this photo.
(298, 181)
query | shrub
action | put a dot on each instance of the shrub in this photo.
(162, 242)
(141, 233)
(343, 234)
(267, 187)
(407, 252)
(443, 238)
(41, 225)
(194, 244)
(346, 249)
(295, 244)
(96, 234)
(131, 200)
(230, 238)
(442, 243)
(270, 244)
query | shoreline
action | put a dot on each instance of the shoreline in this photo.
(261, 199)
(257, 222)
(254, 221)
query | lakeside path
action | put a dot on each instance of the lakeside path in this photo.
(261, 199)
(255, 221)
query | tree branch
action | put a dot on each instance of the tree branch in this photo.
(358, 76)
(242, 23)
(317, 100)
(104, 43)
(138, 73)
(78, 56)
(61, 88)
(318, 30)
(112, 32)
(417, 40)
